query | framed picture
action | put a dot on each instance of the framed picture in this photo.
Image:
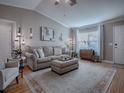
(46, 33)
(61, 37)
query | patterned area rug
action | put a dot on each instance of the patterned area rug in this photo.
(87, 79)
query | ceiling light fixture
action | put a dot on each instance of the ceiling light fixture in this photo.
(70, 2)
(57, 2)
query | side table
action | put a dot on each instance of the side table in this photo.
(21, 67)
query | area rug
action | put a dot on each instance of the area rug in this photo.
(87, 79)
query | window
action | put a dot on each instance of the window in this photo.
(89, 40)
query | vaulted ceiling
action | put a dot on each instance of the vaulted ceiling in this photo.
(83, 13)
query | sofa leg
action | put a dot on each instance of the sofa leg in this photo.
(17, 80)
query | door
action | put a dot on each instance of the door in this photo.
(5, 41)
(119, 44)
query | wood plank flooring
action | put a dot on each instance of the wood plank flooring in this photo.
(22, 87)
(118, 82)
(117, 85)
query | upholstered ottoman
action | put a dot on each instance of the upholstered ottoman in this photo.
(61, 66)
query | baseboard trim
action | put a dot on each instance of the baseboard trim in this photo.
(108, 61)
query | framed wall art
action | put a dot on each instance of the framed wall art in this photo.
(46, 33)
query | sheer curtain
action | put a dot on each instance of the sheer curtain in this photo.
(101, 40)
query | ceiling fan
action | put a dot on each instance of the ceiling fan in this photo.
(70, 2)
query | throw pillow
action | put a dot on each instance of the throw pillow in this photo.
(40, 52)
(57, 51)
(48, 51)
(36, 53)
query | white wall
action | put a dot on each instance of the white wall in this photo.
(29, 19)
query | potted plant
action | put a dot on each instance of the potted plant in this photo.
(17, 53)
(95, 57)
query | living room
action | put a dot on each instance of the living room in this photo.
(56, 46)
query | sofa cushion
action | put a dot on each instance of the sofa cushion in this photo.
(64, 55)
(40, 52)
(57, 51)
(54, 57)
(36, 53)
(44, 59)
(2, 66)
(48, 51)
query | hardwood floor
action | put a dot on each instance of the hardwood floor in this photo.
(22, 87)
(118, 82)
(117, 85)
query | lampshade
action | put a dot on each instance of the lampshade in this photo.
(23, 42)
(31, 34)
(70, 2)
(57, 2)
(16, 38)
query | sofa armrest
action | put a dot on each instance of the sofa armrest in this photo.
(27, 54)
(31, 60)
(30, 55)
(2, 79)
(12, 64)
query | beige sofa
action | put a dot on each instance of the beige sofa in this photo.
(8, 72)
(41, 57)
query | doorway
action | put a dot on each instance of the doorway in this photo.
(118, 46)
(7, 37)
(5, 41)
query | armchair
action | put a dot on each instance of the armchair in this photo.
(8, 72)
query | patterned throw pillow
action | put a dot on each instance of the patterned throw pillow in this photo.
(57, 51)
(40, 52)
(36, 53)
(48, 51)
